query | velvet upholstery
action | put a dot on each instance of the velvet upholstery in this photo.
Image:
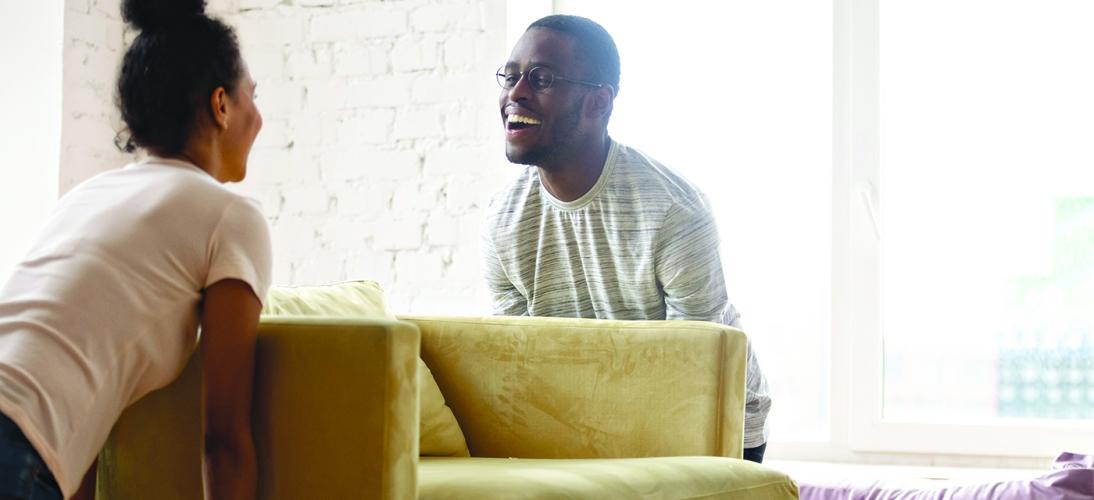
(439, 433)
(335, 403)
(578, 388)
(578, 402)
(665, 478)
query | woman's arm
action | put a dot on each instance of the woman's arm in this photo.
(229, 324)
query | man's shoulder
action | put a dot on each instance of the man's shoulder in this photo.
(511, 200)
(654, 182)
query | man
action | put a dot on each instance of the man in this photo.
(597, 229)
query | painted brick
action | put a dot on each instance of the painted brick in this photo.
(398, 234)
(457, 162)
(309, 63)
(370, 127)
(436, 17)
(391, 91)
(357, 24)
(413, 53)
(353, 164)
(262, 29)
(414, 123)
(320, 267)
(380, 143)
(357, 61)
(463, 51)
(275, 133)
(420, 266)
(466, 266)
(442, 231)
(374, 266)
(450, 88)
(311, 199)
(281, 97)
(355, 199)
(282, 165)
(257, 4)
(327, 95)
(264, 63)
(81, 6)
(91, 30)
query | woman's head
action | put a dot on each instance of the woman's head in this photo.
(183, 86)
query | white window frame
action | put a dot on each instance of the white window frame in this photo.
(857, 430)
(857, 275)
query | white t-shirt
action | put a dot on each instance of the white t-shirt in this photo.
(104, 308)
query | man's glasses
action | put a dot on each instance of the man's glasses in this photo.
(539, 78)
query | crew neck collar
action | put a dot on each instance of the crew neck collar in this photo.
(589, 196)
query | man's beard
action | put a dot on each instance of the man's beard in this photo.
(562, 141)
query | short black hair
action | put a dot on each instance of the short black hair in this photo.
(170, 70)
(595, 47)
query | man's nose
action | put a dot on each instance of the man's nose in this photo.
(522, 90)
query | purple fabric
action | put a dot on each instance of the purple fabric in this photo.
(1072, 478)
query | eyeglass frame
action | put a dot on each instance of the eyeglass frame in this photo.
(501, 75)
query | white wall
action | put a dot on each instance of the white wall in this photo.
(381, 142)
(30, 124)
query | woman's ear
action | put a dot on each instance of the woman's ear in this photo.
(218, 106)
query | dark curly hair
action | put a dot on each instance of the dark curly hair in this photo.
(170, 70)
(595, 47)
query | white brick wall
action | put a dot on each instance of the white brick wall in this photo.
(381, 142)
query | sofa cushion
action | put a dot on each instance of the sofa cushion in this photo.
(440, 434)
(350, 298)
(665, 478)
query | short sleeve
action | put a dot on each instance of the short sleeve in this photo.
(240, 248)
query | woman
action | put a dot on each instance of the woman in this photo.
(107, 304)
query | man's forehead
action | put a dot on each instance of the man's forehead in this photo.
(543, 47)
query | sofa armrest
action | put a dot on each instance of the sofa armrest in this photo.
(334, 416)
(580, 388)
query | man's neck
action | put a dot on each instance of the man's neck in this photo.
(572, 177)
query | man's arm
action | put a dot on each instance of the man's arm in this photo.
(229, 325)
(505, 298)
(689, 267)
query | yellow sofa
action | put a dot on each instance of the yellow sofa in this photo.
(549, 408)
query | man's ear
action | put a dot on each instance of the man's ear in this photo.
(600, 102)
(218, 107)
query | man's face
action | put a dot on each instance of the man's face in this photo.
(542, 126)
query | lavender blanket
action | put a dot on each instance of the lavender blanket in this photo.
(1072, 478)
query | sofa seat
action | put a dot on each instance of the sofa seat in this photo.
(666, 478)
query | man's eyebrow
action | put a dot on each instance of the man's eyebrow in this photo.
(532, 64)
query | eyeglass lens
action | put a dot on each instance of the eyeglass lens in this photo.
(539, 77)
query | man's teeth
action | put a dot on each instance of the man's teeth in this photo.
(523, 119)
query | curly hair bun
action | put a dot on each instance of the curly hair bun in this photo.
(154, 15)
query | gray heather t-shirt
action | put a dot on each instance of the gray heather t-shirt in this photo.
(640, 245)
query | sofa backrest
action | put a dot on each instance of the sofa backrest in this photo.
(578, 388)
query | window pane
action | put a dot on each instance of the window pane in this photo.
(737, 96)
(987, 118)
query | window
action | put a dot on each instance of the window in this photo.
(986, 229)
(906, 196)
(738, 100)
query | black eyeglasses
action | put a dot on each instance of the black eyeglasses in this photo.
(539, 78)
